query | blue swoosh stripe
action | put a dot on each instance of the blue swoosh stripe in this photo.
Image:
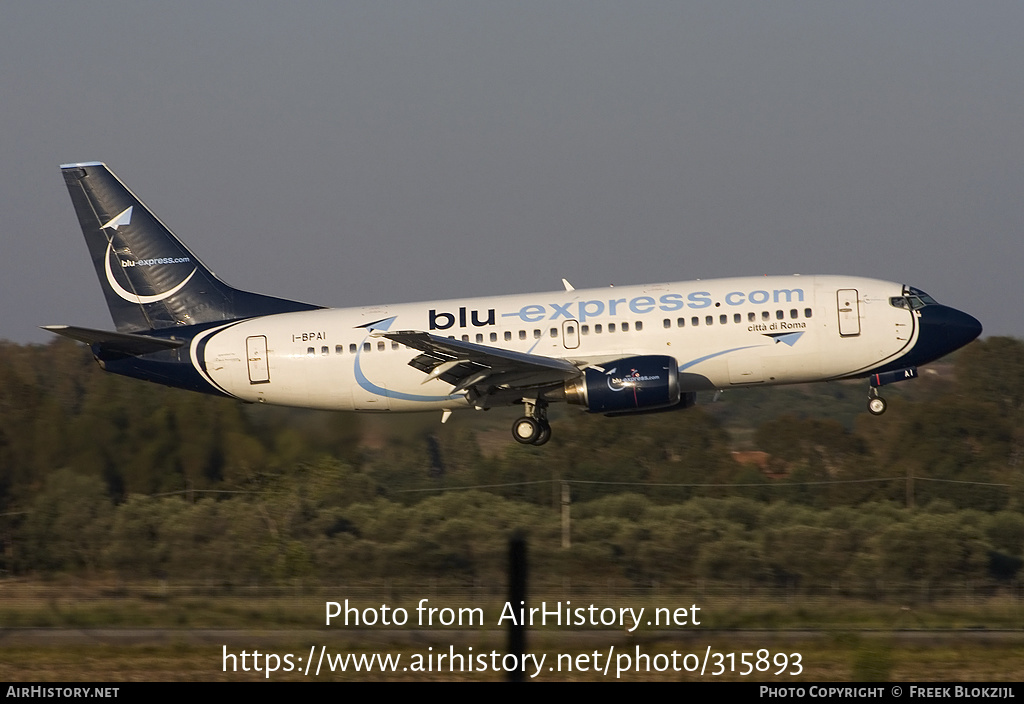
(387, 393)
(712, 356)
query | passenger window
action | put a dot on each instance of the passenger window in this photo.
(709, 320)
(793, 313)
(611, 327)
(737, 318)
(723, 319)
(325, 350)
(597, 329)
(465, 338)
(554, 332)
(508, 335)
(779, 315)
(625, 327)
(639, 325)
(494, 337)
(585, 329)
(339, 349)
(807, 312)
(380, 346)
(765, 315)
(353, 348)
(311, 351)
(668, 323)
(522, 334)
(479, 337)
(536, 334)
(681, 322)
(695, 321)
(751, 317)
(394, 345)
(366, 347)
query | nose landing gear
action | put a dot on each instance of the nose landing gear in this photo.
(876, 404)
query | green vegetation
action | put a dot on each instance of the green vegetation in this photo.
(833, 533)
(107, 478)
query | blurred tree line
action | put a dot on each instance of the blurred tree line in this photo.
(101, 475)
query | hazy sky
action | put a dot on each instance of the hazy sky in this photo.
(352, 153)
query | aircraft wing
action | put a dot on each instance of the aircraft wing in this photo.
(466, 365)
(124, 343)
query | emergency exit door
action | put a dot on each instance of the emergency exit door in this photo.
(571, 334)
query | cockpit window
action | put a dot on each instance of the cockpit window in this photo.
(924, 298)
(911, 302)
(912, 298)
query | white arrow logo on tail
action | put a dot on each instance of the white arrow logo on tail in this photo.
(125, 218)
(122, 218)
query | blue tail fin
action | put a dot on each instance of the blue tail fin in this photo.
(150, 279)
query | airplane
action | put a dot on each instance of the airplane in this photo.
(615, 351)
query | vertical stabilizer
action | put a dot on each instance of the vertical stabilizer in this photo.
(150, 279)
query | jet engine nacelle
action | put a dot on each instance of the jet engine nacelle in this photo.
(630, 384)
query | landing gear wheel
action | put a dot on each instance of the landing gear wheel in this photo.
(533, 428)
(876, 405)
(527, 431)
(544, 435)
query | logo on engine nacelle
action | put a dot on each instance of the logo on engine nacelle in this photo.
(627, 381)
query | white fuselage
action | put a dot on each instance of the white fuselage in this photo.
(722, 333)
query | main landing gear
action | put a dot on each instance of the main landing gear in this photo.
(533, 428)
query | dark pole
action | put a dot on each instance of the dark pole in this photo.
(517, 600)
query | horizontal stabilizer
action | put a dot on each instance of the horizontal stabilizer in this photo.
(125, 343)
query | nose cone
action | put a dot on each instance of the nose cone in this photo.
(943, 330)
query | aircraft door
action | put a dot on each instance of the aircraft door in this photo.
(849, 312)
(256, 354)
(570, 334)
